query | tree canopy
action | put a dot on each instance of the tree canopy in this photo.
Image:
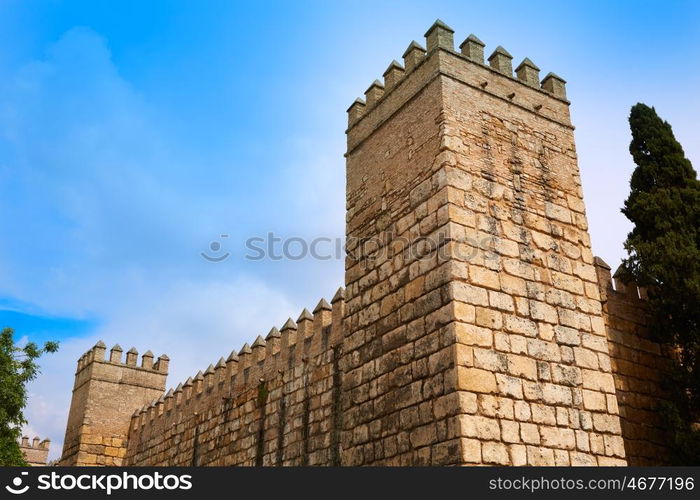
(18, 366)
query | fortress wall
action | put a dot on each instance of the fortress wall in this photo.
(638, 366)
(273, 403)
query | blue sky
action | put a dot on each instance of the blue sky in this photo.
(133, 134)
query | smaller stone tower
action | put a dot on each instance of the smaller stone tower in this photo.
(105, 395)
(36, 452)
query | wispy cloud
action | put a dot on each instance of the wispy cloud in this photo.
(108, 222)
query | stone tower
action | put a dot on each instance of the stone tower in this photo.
(473, 330)
(35, 452)
(106, 393)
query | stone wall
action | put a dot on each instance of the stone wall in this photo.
(273, 403)
(638, 365)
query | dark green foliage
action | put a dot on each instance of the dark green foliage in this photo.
(664, 255)
(17, 367)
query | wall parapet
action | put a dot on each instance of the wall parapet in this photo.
(36, 443)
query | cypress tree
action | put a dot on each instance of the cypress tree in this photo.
(664, 256)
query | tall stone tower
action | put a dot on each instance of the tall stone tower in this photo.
(473, 329)
(106, 393)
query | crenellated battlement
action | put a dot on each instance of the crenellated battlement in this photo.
(495, 77)
(283, 349)
(614, 283)
(35, 452)
(98, 352)
(36, 443)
